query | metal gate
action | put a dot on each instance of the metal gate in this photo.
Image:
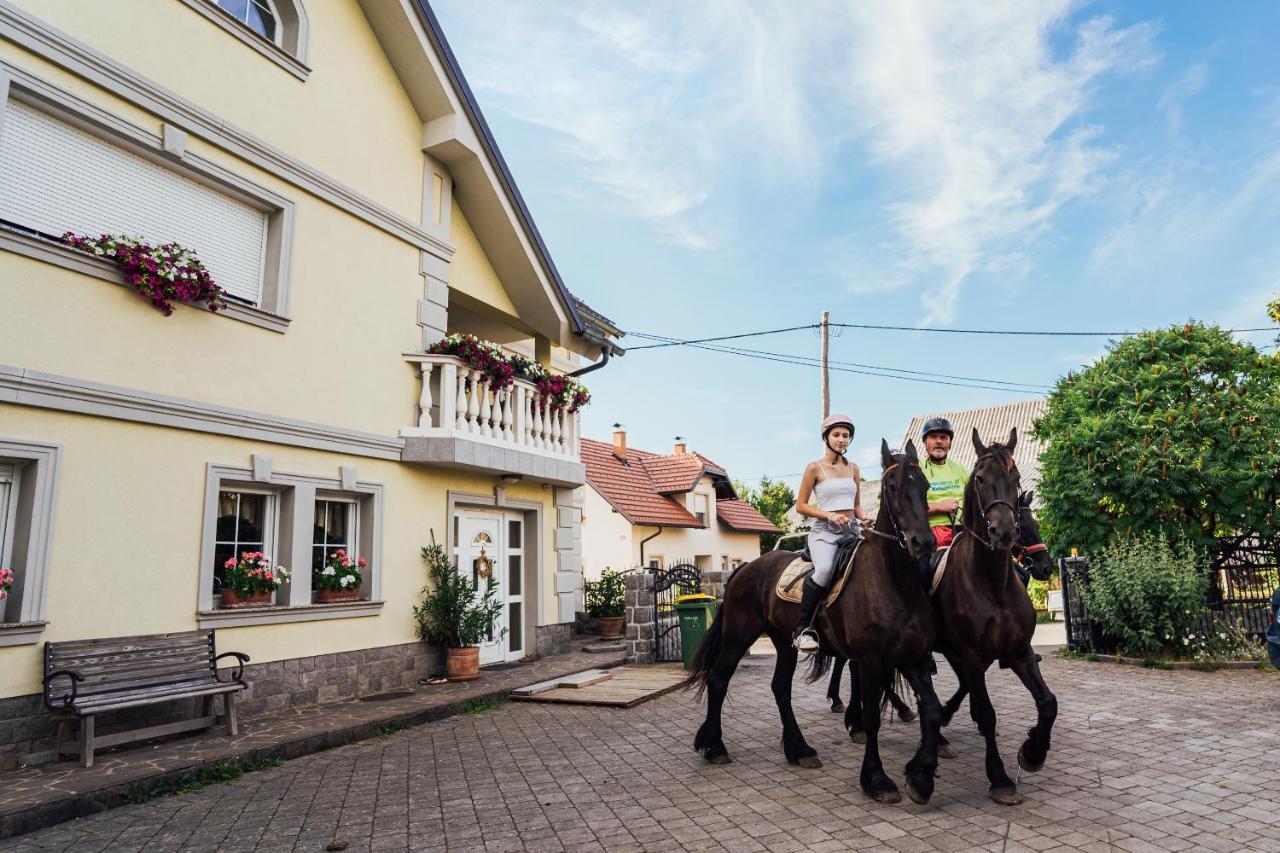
(1074, 572)
(1246, 570)
(677, 579)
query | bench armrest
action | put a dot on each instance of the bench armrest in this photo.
(70, 698)
(241, 660)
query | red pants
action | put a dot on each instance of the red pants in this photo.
(943, 536)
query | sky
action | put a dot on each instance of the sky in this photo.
(719, 167)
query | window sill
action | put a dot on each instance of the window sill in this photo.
(64, 256)
(268, 49)
(21, 633)
(276, 615)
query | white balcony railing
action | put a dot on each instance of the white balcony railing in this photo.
(452, 402)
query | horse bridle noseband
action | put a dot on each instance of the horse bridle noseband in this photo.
(988, 508)
(1025, 554)
(901, 538)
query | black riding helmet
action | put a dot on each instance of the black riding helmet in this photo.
(937, 425)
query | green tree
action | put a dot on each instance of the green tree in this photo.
(772, 498)
(1175, 433)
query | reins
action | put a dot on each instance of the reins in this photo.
(995, 503)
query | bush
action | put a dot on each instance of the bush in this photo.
(1146, 593)
(1038, 592)
(607, 597)
(454, 612)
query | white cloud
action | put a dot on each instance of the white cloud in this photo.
(1182, 90)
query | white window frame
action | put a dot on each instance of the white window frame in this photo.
(270, 522)
(514, 549)
(169, 151)
(703, 514)
(10, 481)
(277, 39)
(292, 32)
(27, 521)
(352, 546)
(296, 498)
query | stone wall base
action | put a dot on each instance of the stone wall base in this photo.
(27, 729)
(552, 639)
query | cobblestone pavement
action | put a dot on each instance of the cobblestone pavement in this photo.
(1142, 760)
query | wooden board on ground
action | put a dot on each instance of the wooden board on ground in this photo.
(627, 686)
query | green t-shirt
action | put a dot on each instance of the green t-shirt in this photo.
(945, 481)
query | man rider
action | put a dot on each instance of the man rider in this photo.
(947, 479)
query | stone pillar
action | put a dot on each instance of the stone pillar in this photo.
(713, 582)
(641, 617)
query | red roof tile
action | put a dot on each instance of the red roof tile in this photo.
(630, 489)
(743, 517)
(677, 473)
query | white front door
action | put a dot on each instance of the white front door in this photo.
(490, 552)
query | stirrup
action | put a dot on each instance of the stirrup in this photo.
(806, 642)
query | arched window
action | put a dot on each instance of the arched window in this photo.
(258, 15)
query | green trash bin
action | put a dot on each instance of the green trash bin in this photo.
(695, 613)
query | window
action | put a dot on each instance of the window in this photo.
(245, 523)
(28, 476)
(258, 15)
(700, 508)
(515, 586)
(334, 529)
(56, 177)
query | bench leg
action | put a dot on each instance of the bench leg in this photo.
(86, 741)
(59, 738)
(233, 722)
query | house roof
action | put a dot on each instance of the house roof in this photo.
(743, 517)
(993, 424)
(641, 488)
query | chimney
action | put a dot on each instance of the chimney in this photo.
(620, 444)
(680, 445)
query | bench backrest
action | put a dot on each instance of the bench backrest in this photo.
(130, 665)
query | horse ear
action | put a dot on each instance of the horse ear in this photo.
(1013, 439)
(977, 443)
(1025, 499)
(886, 458)
(911, 451)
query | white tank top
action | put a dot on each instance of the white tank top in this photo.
(834, 493)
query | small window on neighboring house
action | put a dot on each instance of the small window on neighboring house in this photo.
(700, 508)
(656, 562)
(258, 15)
(246, 523)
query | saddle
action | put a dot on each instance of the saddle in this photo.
(791, 583)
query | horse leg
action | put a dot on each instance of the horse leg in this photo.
(853, 714)
(793, 744)
(1032, 754)
(833, 687)
(945, 749)
(710, 738)
(984, 714)
(904, 710)
(923, 767)
(874, 782)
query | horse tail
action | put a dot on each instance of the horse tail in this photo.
(706, 655)
(819, 664)
(893, 681)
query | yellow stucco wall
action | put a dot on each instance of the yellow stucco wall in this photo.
(350, 119)
(127, 536)
(470, 270)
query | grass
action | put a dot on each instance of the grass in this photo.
(1152, 663)
(1072, 654)
(215, 774)
(481, 705)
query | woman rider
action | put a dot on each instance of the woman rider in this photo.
(830, 492)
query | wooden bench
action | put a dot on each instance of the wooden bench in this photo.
(87, 677)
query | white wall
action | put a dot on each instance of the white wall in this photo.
(606, 537)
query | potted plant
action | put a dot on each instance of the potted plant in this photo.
(339, 579)
(251, 580)
(607, 602)
(457, 613)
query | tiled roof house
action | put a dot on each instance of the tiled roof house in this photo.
(644, 507)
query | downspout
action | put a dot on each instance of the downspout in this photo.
(646, 539)
(604, 352)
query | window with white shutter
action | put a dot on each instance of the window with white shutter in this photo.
(55, 177)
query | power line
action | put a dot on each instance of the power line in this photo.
(879, 370)
(875, 327)
(675, 342)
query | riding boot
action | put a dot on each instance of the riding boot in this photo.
(805, 639)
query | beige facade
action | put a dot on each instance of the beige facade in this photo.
(390, 220)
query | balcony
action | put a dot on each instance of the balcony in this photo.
(462, 424)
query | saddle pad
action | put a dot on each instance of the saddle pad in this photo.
(940, 570)
(791, 584)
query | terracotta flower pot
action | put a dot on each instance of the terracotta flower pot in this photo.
(253, 599)
(328, 596)
(610, 627)
(463, 664)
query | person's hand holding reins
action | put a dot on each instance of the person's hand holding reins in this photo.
(839, 519)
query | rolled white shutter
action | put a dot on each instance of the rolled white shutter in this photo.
(55, 178)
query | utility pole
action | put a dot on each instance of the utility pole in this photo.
(826, 373)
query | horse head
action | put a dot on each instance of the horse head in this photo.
(904, 494)
(991, 496)
(1030, 550)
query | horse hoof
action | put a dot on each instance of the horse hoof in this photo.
(837, 707)
(858, 737)
(1006, 796)
(1026, 763)
(916, 797)
(946, 750)
(812, 762)
(906, 715)
(889, 796)
(722, 758)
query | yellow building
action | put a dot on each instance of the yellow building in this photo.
(329, 165)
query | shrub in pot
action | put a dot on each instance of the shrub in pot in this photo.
(456, 613)
(607, 602)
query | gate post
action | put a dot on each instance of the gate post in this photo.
(641, 616)
(713, 583)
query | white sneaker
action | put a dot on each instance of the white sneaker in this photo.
(807, 642)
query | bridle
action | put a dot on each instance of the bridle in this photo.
(992, 505)
(899, 536)
(1025, 554)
